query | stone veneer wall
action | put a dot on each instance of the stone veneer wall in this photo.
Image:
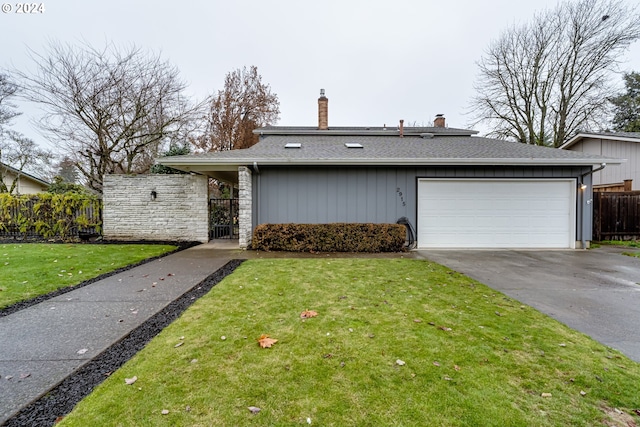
(180, 211)
(245, 203)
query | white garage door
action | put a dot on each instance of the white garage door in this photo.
(461, 213)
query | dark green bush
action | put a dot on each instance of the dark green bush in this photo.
(337, 237)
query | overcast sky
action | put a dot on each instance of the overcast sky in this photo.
(379, 61)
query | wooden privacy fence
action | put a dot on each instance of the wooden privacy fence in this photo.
(50, 216)
(616, 215)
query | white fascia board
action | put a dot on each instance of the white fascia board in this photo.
(230, 164)
(581, 136)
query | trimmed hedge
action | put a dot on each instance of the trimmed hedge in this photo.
(49, 216)
(336, 237)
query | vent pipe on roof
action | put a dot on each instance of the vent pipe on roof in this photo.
(439, 121)
(323, 111)
(401, 128)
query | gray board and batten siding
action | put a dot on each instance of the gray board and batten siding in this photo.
(315, 194)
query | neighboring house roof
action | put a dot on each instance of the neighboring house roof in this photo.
(419, 146)
(23, 174)
(612, 136)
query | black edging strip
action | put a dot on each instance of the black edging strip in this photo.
(60, 400)
(21, 305)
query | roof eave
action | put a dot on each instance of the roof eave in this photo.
(229, 164)
(577, 138)
(25, 175)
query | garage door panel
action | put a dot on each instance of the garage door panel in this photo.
(496, 213)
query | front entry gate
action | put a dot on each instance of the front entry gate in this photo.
(223, 219)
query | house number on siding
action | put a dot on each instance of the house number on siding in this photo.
(401, 196)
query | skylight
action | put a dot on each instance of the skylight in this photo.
(353, 145)
(293, 145)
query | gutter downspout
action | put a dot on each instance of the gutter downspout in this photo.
(581, 183)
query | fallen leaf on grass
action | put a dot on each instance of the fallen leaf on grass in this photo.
(254, 409)
(178, 345)
(129, 381)
(546, 395)
(165, 412)
(456, 367)
(265, 341)
(307, 314)
(444, 328)
(400, 362)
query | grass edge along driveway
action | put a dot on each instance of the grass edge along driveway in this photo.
(395, 342)
(28, 270)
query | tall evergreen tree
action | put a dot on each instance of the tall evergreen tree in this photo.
(627, 105)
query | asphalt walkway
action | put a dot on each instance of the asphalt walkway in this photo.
(42, 345)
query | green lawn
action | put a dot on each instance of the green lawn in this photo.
(628, 243)
(395, 343)
(33, 269)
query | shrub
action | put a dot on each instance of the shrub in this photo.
(336, 237)
(49, 215)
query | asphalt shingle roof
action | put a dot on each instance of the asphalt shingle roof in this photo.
(328, 149)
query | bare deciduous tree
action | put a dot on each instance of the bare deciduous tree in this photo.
(541, 82)
(8, 90)
(243, 105)
(113, 110)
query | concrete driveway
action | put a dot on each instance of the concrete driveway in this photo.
(596, 292)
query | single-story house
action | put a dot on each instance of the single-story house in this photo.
(623, 145)
(456, 190)
(25, 184)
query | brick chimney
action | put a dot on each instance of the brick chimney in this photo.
(323, 111)
(401, 128)
(438, 122)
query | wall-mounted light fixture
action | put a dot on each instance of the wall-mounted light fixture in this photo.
(154, 195)
(583, 186)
